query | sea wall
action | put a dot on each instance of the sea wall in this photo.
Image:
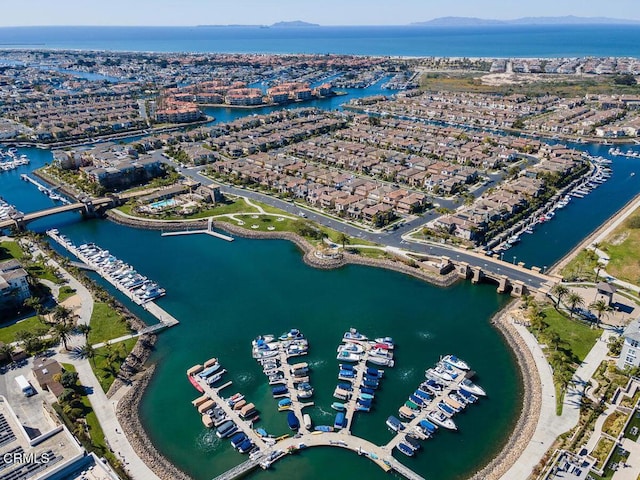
(531, 400)
(308, 249)
(127, 413)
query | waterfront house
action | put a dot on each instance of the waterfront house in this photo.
(14, 285)
(630, 354)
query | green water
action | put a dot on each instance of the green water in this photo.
(225, 294)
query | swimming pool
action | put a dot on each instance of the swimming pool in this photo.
(170, 202)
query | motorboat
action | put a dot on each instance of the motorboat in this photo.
(351, 347)
(353, 334)
(455, 362)
(323, 428)
(348, 357)
(382, 361)
(285, 402)
(427, 426)
(406, 413)
(395, 424)
(340, 407)
(237, 439)
(366, 396)
(340, 421)
(306, 421)
(441, 420)
(440, 373)
(408, 451)
(470, 387)
(388, 341)
(293, 334)
(446, 409)
(292, 420)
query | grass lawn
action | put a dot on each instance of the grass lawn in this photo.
(582, 267)
(31, 324)
(103, 369)
(635, 422)
(65, 292)
(579, 338)
(623, 248)
(9, 250)
(369, 252)
(106, 324)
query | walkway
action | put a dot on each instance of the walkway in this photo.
(550, 425)
(102, 406)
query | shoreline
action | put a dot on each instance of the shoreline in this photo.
(618, 216)
(530, 408)
(307, 249)
(503, 460)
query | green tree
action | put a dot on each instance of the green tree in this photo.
(84, 329)
(62, 314)
(343, 239)
(69, 379)
(87, 351)
(63, 331)
(559, 291)
(574, 300)
(601, 307)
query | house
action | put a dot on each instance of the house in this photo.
(46, 372)
(14, 285)
(630, 356)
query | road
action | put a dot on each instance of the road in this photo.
(393, 238)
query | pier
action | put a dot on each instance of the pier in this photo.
(165, 319)
(49, 192)
(269, 450)
(209, 231)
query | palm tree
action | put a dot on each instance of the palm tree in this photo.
(63, 332)
(62, 314)
(35, 304)
(560, 291)
(601, 307)
(343, 239)
(84, 329)
(574, 300)
(87, 351)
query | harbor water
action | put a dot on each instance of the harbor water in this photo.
(225, 294)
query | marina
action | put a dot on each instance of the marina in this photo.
(446, 391)
(138, 288)
(10, 160)
(430, 407)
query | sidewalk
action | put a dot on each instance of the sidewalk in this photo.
(103, 407)
(551, 425)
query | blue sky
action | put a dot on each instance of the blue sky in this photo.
(325, 12)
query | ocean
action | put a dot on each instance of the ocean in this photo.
(496, 41)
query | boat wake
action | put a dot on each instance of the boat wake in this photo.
(406, 374)
(245, 378)
(425, 335)
(207, 441)
(325, 413)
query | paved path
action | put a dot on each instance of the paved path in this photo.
(102, 406)
(551, 425)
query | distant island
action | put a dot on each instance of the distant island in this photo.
(294, 23)
(567, 20)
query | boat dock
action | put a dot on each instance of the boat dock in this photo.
(166, 320)
(49, 192)
(209, 231)
(269, 450)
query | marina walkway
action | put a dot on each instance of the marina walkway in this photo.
(549, 424)
(208, 231)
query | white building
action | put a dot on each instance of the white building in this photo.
(630, 355)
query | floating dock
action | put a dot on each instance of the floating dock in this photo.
(209, 231)
(166, 319)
